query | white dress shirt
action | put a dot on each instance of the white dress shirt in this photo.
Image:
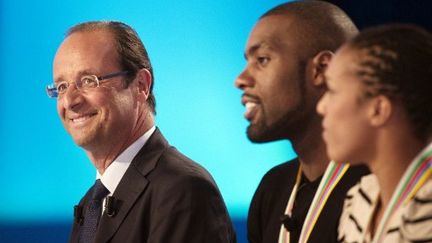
(115, 171)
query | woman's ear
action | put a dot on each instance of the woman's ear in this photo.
(380, 110)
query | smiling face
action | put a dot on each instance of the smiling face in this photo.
(273, 81)
(101, 115)
(346, 127)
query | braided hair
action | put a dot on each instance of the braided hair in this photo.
(396, 61)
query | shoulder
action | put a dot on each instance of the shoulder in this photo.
(275, 186)
(269, 201)
(175, 168)
(169, 173)
(179, 188)
(366, 190)
(276, 182)
(417, 216)
(281, 173)
(358, 205)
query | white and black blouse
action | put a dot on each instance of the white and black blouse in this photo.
(410, 223)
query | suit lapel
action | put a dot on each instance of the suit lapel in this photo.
(132, 185)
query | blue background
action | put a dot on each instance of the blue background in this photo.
(196, 48)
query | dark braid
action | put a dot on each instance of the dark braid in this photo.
(396, 61)
(376, 64)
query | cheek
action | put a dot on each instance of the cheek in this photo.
(333, 116)
(343, 124)
(284, 95)
(347, 137)
(119, 108)
(336, 123)
(60, 109)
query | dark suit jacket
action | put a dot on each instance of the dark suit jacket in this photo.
(164, 197)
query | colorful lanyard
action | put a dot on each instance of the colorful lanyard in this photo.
(414, 177)
(284, 235)
(331, 178)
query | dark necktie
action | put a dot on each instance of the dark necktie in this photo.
(93, 212)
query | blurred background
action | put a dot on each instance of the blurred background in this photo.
(196, 48)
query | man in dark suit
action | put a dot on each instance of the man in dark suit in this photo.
(146, 191)
(287, 54)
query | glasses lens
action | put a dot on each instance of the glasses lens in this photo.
(89, 81)
(51, 91)
(62, 86)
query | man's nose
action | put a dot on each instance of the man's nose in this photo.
(71, 98)
(244, 80)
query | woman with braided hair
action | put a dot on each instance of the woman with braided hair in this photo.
(378, 111)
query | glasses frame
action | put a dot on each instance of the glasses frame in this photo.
(52, 91)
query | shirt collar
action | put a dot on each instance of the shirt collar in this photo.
(115, 171)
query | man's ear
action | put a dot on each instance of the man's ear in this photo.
(320, 64)
(144, 81)
(380, 110)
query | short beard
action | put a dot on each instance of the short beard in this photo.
(290, 125)
(262, 133)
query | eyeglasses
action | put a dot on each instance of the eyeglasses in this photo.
(86, 82)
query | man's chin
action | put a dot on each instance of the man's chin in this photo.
(83, 140)
(260, 134)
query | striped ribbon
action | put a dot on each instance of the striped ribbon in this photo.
(284, 235)
(414, 177)
(331, 178)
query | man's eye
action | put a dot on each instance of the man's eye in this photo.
(263, 60)
(61, 87)
(89, 82)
